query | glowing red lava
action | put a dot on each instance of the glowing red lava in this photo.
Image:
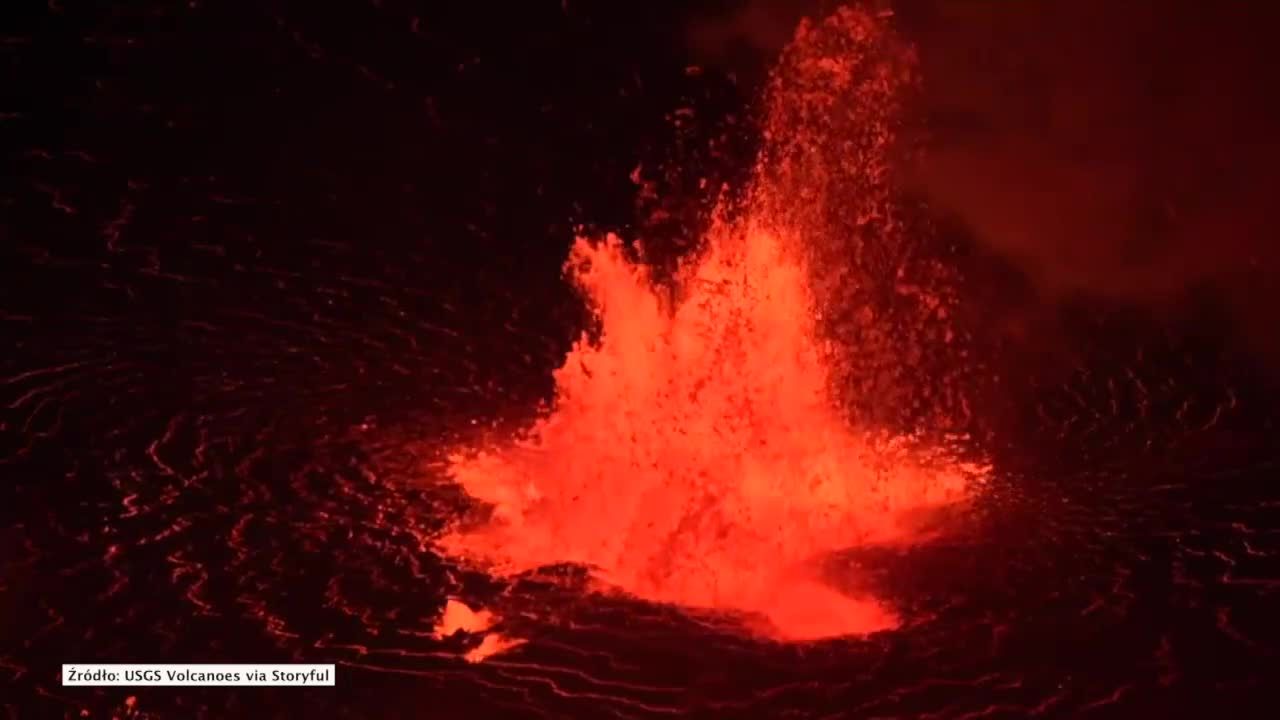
(696, 453)
(458, 617)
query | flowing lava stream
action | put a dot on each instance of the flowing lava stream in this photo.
(696, 452)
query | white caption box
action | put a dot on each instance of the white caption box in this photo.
(158, 675)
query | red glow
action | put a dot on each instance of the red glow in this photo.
(458, 617)
(696, 453)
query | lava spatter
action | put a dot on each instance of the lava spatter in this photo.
(698, 452)
(459, 617)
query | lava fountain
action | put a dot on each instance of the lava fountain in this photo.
(696, 452)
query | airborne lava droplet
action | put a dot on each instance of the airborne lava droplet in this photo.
(696, 453)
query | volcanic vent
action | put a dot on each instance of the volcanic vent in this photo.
(703, 448)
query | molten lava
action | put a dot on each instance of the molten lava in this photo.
(458, 617)
(696, 452)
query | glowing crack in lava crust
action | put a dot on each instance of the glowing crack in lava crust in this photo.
(695, 453)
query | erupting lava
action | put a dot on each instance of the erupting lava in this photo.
(696, 453)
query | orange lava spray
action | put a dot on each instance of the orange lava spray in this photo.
(696, 452)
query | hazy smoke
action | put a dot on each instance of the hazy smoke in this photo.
(1118, 151)
(1125, 151)
(748, 33)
